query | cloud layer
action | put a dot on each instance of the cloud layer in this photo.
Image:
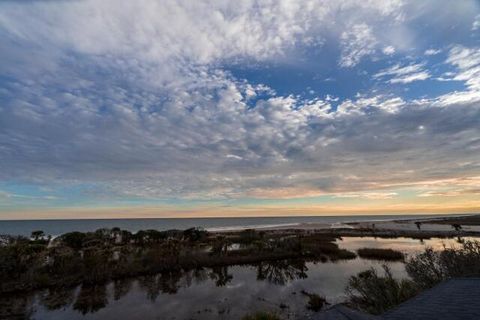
(139, 99)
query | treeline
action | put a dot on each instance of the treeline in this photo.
(109, 254)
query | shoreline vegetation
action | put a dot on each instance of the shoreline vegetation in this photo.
(94, 258)
(109, 254)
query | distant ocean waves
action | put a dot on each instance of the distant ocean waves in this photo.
(57, 227)
(258, 226)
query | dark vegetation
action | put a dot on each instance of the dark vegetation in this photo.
(376, 293)
(380, 254)
(471, 220)
(315, 301)
(94, 258)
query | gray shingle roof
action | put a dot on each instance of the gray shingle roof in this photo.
(451, 300)
(455, 299)
(340, 312)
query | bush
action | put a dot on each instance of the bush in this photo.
(431, 267)
(380, 254)
(376, 294)
(315, 301)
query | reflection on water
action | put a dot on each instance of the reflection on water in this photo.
(90, 299)
(406, 245)
(218, 293)
(282, 272)
(58, 298)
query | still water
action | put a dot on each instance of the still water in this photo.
(218, 293)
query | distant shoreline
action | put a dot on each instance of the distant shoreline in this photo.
(406, 215)
(354, 224)
(223, 224)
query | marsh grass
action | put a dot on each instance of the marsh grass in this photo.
(380, 254)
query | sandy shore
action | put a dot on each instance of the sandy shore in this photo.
(428, 227)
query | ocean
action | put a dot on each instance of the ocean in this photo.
(58, 227)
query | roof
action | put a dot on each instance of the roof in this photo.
(454, 299)
(341, 312)
(450, 300)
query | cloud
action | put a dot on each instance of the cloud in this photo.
(467, 61)
(404, 74)
(194, 146)
(135, 100)
(357, 42)
(389, 50)
(432, 52)
(368, 195)
(476, 23)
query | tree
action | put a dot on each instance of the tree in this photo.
(37, 235)
(457, 227)
(74, 239)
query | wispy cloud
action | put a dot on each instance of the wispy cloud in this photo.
(357, 42)
(476, 23)
(404, 74)
(467, 61)
(432, 52)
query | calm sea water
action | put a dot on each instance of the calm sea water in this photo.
(57, 227)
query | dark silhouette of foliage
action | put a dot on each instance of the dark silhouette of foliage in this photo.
(281, 271)
(91, 299)
(380, 254)
(457, 227)
(74, 239)
(315, 301)
(376, 294)
(221, 276)
(37, 235)
(431, 267)
(54, 299)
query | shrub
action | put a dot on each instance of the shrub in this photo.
(376, 294)
(37, 234)
(315, 301)
(431, 267)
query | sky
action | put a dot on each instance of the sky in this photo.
(181, 108)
